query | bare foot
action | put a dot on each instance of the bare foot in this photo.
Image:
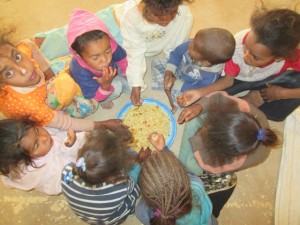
(107, 105)
(254, 98)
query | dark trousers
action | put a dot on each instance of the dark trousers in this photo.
(219, 199)
(276, 110)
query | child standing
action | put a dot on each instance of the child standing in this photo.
(32, 157)
(260, 62)
(99, 63)
(23, 91)
(196, 63)
(101, 187)
(169, 195)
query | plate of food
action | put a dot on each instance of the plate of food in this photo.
(152, 116)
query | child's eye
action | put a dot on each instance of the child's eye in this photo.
(18, 57)
(108, 51)
(36, 129)
(9, 74)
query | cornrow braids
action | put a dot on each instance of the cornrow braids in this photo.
(165, 186)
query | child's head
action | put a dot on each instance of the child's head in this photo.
(212, 46)
(21, 142)
(236, 134)
(104, 157)
(16, 69)
(161, 12)
(165, 186)
(274, 35)
(94, 48)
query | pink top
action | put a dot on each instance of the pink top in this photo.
(46, 178)
(81, 22)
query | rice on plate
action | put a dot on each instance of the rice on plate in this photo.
(146, 119)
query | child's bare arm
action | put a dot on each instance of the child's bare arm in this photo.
(189, 113)
(191, 96)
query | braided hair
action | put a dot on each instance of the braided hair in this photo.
(165, 186)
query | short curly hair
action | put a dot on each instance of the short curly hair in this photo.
(162, 5)
(278, 29)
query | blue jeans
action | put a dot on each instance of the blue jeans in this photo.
(276, 110)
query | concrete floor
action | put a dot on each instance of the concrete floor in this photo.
(252, 202)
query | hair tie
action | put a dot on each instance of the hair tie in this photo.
(80, 163)
(261, 134)
(68, 177)
(157, 213)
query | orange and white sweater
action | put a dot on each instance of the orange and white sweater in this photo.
(29, 102)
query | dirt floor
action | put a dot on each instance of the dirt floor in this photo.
(252, 203)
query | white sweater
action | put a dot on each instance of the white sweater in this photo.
(46, 177)
(142, 39)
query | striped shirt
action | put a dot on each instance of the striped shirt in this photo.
(100, 204)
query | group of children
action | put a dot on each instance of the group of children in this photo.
(102, 179)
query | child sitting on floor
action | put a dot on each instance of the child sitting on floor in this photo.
(144, 28)
(32, 157)
(23, 91)
(266, 59)
(99, 63)
(101, 187)
(169, 195)
(223, 134)
(196, 63)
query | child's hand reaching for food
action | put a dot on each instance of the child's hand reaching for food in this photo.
(157, 140)
(189, 97)
(69, 142)
(143, 155)
(189, 113)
